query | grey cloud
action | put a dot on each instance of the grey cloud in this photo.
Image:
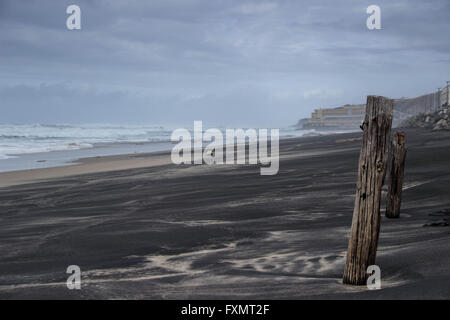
(177, 59)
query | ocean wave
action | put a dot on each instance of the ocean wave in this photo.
(34, 138)
(37, 138)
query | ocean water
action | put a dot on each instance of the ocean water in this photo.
(37, 138)
(30, 146)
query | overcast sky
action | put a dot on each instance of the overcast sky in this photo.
(226, 62)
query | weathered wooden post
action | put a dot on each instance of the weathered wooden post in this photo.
(373, 158)
(398, 156)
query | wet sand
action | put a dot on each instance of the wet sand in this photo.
(84, 166)
(160, 231)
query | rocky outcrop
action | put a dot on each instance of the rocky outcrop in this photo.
(301, 123)
(436, 120)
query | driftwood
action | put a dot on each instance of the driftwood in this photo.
(398, 156)
(373, 158)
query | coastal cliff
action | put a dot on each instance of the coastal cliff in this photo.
(350, 116)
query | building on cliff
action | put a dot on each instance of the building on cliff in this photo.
(445, 101)
(350, 117)
(345, 117)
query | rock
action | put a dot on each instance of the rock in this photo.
(435, 120)
(441, 124)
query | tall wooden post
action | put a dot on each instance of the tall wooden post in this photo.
(398, 156)
(373, 158)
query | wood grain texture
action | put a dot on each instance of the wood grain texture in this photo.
(397, 169)
(365, 228)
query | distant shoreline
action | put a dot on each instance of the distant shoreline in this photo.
(76, 162)
(63, 158)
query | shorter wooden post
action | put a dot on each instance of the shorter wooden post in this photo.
(398, 156)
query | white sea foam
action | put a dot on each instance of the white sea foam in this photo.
(20, 139)
(36, 138)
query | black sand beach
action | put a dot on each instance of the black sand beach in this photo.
(210, 232)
